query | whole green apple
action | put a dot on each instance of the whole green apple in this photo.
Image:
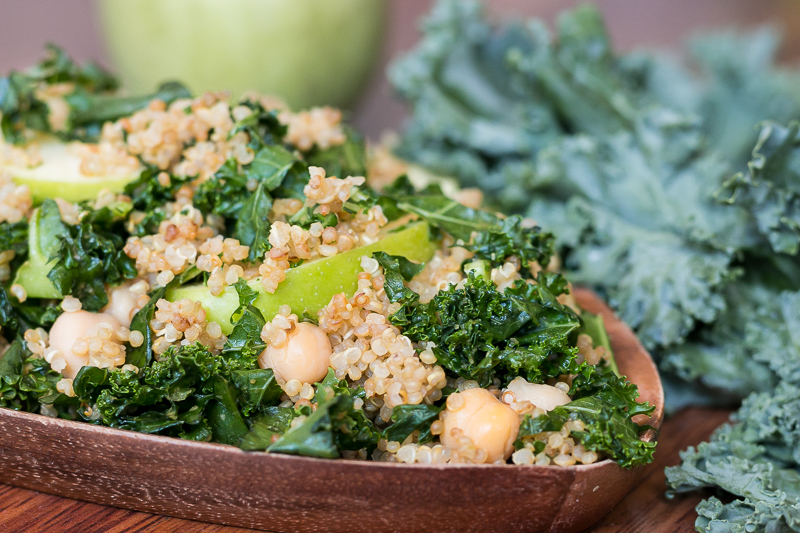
(308, 52)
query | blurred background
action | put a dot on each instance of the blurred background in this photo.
(127, 36)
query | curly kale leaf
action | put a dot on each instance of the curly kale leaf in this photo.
(747, 349)
(606, 404)
(396, 269)
(456, 219)
(170, 397)
(267, 428)
(90, 255)
(14, 238)
(733, 82)
(89, 111)
(243, 194)
(651, 237)
(335, 426)
(189, 393)
(770, 189)
(480, 331)
(245, 343)
(142, 355)
(601, 383)
(16, 318)
(607, 431)
(148, 193)
(546, 126)
(529, 244)
(346, 159)
(407, 419)
(261, 125)
(755, 459)
(259, 389)
(88, 102)
(24, 378)
(610, 151)
(20, 106)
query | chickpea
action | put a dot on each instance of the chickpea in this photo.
(68, 328)
(122, 303)
(305, 356)
(491, 424)
(544, 397)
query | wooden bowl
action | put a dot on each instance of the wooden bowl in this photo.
(222, 484)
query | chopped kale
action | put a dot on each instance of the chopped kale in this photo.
(88, 101)
(24, 378)
(90, 255)
(480, 332)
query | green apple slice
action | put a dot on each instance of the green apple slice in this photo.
(32, 274)
(60, 176)
(596, 329)
(310, 286)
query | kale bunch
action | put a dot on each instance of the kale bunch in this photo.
(756, 460)
(622, 156)
(642, 166)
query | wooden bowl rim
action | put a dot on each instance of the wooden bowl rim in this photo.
(584, 296)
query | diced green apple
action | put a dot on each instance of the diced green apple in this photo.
(32, 274)
(596, 329)
(479, 268)
(310, 286)
(60, 176)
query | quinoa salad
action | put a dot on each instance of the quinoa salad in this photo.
(242, 273)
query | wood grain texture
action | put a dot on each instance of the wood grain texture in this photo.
(644, 509)
(222, 484)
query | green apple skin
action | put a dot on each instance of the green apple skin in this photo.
(59, 176)
(74, 192)
(310, 286)
(32, 274)
(596, 329)
(307, 52)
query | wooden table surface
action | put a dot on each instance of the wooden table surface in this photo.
(644, 509)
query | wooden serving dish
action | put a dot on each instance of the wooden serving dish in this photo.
(222, 484)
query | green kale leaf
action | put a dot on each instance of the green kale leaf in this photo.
(596, 147)
(142, 355)
(608, 431)
(529, 244)
(480, 331)
(20, 107)
(14, 238)
(89, 102)
(243, 194)
(267, 428)
(147, 193)
(244, 343)
(335, 426)
(770, 189)
(407, 419)
(347, 159)
(24, 379)
(755, 459)
(396, 269)
(90, 255)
